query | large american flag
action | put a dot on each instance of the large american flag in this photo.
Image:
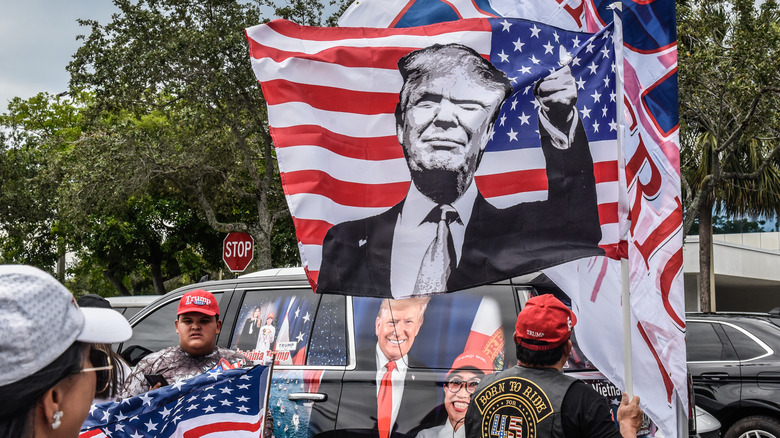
(229, 403)
(331, 94)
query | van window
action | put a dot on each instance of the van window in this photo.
(275, 321)
(432, 332)
(329, 337)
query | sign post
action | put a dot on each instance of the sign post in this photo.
(238, 250)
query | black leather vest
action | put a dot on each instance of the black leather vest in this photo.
(518, 403)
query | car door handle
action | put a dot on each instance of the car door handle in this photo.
(715, 376)
(294, 396)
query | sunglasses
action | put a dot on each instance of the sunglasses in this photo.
(102, 366)
(456, 384)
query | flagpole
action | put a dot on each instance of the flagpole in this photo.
(625, 272)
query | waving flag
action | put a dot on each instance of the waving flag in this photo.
(331, 95)
(212, 404)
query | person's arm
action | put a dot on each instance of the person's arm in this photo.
(629, 416)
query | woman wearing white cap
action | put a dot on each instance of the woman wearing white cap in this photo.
(51, 370)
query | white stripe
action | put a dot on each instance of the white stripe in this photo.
(511, 161)
(265, 35)
(299, 158)
(290, 114)
(304, 71)
(318, 207)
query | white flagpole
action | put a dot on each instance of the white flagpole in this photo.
(625, 277)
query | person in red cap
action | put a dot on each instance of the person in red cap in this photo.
(535, 398)
(463, 378)
(197, 324)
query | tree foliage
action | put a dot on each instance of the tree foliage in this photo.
(729, 114)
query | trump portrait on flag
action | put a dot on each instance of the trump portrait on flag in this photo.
(444, 235)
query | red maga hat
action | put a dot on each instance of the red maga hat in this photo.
(200, 301)
(544, 318)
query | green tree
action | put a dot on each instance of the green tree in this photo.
(729, 115)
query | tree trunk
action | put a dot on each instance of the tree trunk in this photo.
(117, 283)
(706, 286)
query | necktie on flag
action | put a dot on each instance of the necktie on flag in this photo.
(229, 403)
(332, 93)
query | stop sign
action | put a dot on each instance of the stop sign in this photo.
(238, 249)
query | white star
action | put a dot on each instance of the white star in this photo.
(589, 48)
(580, 84)
(576, 41)
(612, 125)
(575, 60)
(165, 412)
(585, 112)
(514, 104)
(506, 25)
(548, 48)
(592, 67)
(242, 399)
(191, 407)
(136, 435)
(504, 57)
(226, 390)
(525, 70)
(596, 96)
(535, 31)
(519, 45)
(595, 126)
(243, 409)
(524, 119)
(605, 52)
(146, 399)
(106, 416)
(533, 59)
(209, 408)
(226, 402)
(606, 82)
(604, 111)
(502, 120)
(555, 34)
(612, 96)
(512, 134)
(208, 397)
(150, 426)
(299, 337)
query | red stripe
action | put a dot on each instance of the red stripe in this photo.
(292, 30)
(370, 148)
(509, 183)
(608, 213)
(225, 426)
(329, 98)
(343, 192)
(311, 231)
(605, 171)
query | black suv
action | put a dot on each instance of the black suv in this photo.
(734, 360)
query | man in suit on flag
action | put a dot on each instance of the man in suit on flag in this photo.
(444, 235)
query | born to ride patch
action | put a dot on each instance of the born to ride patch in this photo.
(512, 408)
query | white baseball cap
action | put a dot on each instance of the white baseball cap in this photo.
(39, 320)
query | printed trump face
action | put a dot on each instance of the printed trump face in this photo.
(397, 325)
(446, 124)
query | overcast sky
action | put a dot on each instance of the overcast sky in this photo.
(38, 39)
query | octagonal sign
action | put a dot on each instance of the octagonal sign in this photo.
(238, 249)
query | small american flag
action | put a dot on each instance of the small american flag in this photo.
(331, 94)
(213, 403)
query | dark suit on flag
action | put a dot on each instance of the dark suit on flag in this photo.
(498, 243)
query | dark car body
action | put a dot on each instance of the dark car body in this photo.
(325, 373)
(734, 360)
